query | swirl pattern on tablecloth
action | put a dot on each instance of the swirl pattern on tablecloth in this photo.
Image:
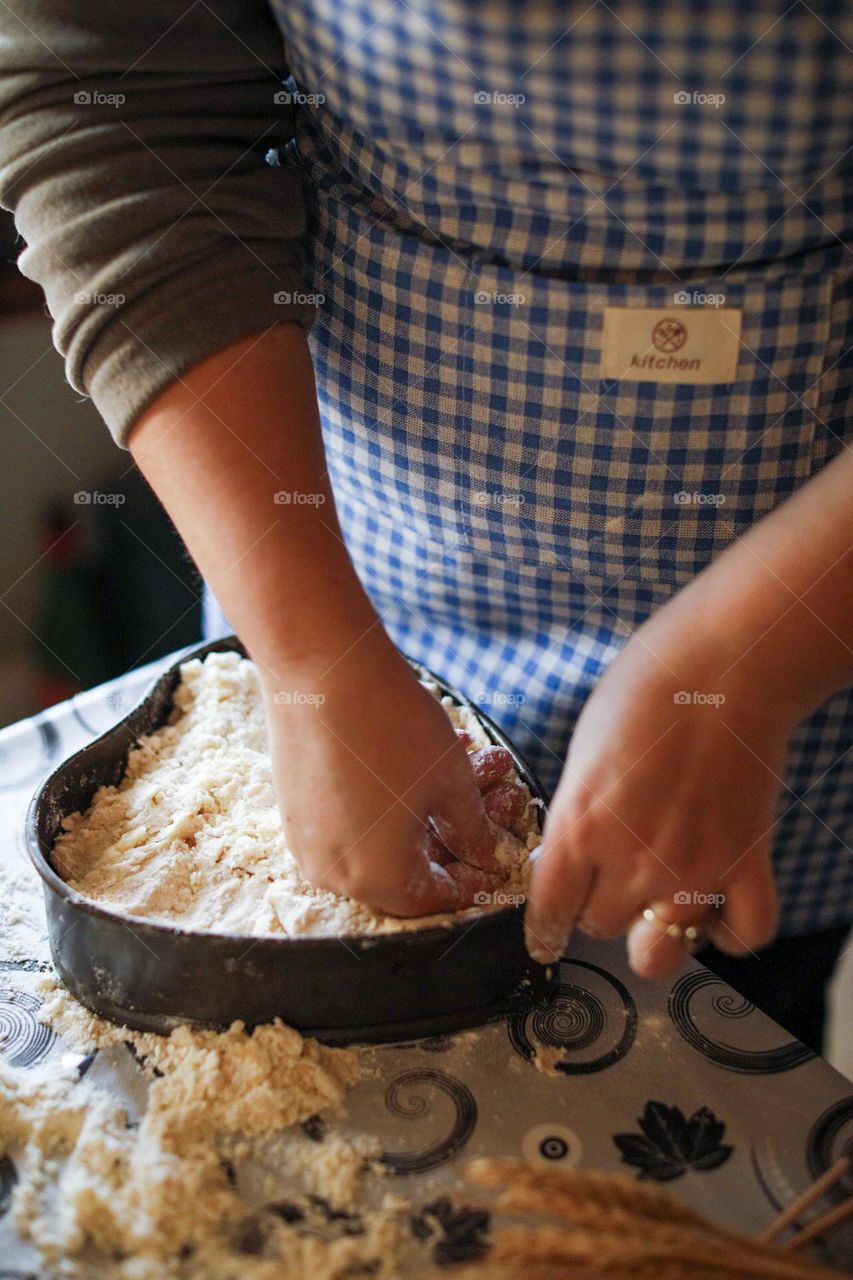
(830, 1137)
(25, 763)
(726, 1007)
(408, 1097)
(24, 1040)
(600, 1015)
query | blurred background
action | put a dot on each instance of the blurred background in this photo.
(93, 578)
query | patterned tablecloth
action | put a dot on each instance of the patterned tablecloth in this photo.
(684, 1083)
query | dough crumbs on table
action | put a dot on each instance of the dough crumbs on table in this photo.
(160, 1199)
(546, 1058)
(192, 833)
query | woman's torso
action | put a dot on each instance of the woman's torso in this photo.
(492, 189)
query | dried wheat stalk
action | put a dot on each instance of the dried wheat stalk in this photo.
(610, 1227)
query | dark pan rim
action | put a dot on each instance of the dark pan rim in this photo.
(40, 858)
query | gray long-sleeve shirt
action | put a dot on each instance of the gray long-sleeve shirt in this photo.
(132, 153)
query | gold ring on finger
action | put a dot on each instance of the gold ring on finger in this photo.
(687, 934)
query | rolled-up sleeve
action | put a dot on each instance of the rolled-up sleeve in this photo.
(133, 153)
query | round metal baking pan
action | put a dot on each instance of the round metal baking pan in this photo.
(153, 975)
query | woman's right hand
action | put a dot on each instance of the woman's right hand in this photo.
(379, 799)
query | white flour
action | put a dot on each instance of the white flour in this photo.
(193, 834)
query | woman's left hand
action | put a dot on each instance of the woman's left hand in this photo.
(667, 800)
(668, 797)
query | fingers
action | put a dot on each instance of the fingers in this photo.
(436, 851)
(465, 830)
(558, 890)
(433, 889)
(458, 813)
(454, 860)
(613, 903)
(472, 884)
(503, 799)
(651, 952)
(750, 913)
(505, 803)
(744, 923)
(427, 881)
(419, 886)
(490, 764)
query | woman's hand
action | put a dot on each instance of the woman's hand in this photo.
(667, 799)
(378, 797)
(377, 794)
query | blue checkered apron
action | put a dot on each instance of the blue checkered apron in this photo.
(483, 180)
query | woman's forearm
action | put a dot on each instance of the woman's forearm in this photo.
(369, 772)
(777, 605)
(235, 453)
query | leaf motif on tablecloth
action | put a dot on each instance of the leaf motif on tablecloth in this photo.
(670, 1144)
(462, 1231)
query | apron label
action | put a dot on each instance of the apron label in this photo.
(645, 344)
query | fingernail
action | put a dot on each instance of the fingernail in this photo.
(536, 854)
(636, 954)
(540, 954)
(547, 945)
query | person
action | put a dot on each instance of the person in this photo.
(515, 337)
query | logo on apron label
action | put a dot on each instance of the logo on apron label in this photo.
(669, 335)
(642, 344)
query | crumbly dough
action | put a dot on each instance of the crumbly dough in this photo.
(192, 834)
(157, 1198)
